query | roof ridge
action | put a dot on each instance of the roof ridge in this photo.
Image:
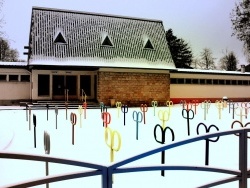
(94, 14)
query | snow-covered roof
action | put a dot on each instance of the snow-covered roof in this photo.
(82, 35)
(210, 71)
(96, 62)
(21, 64)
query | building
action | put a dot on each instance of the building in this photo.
(105, 56)
(193, 84)
(72, 53)
(14, 82)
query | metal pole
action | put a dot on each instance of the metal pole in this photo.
(105, 178)
(82, 95)
(34, 136)
(26, 111)
(47, 106)
(47, 172)
(29, 118)
(67, 95)
(109, 178)
(243, 159)
(207, 152)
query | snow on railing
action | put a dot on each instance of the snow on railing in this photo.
(241, 174)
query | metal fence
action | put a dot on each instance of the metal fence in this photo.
(241, 174)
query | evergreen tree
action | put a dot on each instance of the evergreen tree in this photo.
(180, 51)
(229, 62)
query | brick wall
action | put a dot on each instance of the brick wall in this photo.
(133, 88)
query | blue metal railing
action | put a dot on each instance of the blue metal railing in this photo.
(241, 174)
(98, 169)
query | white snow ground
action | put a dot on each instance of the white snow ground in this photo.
(90, 146)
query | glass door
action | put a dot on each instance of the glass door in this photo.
(85, 84)
(62, 82)
(58, 87)
(71, 85)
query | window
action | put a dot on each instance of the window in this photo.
(43, 84)
(3, 77)
(221, 82)
(188, 81)
(60, 39)
(234, 82)
(173, 80)
(245, 82)
(148, 45)
(209, 81)
(228, 82)
(13, 78)
(107, 42)
(195, 81)
(25, 78)
(202, 81)
(181, 81)
(215, 82)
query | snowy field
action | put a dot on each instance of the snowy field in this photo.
(89, 145)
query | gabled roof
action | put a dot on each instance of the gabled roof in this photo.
(85, 32)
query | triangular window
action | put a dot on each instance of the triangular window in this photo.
(107, 42)
(148, 45)
(60, 39)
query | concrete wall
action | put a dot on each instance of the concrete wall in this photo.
(133, 87)
(212, 92)
(209, 91)
(13, 91)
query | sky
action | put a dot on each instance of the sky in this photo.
(201, 23)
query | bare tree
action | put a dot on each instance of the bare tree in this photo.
(1, 18)
(196, 63)
(240, 18)
(6, 53)
(1, 6)
(207, 60)
(4, 46)
(229, 62)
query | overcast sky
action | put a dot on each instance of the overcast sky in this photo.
(201, 23)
